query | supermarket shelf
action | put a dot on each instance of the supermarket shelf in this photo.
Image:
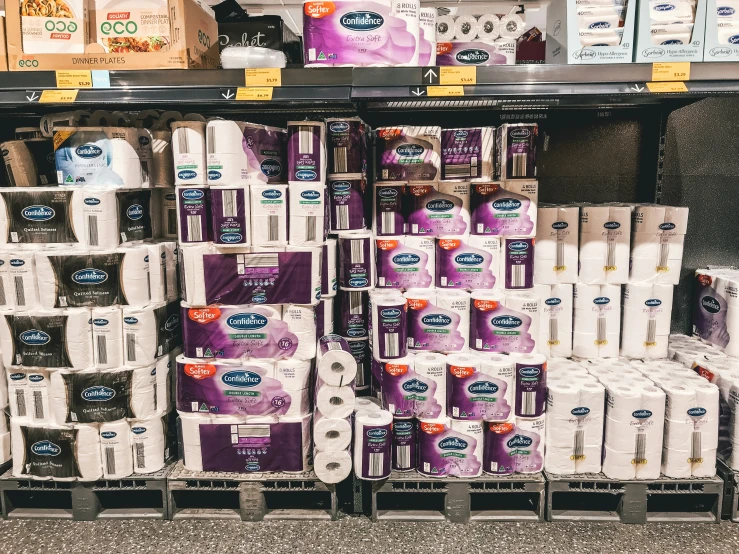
(730, 508)
(249, 497)
(595, 497)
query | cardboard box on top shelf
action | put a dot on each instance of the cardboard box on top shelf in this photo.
(3, 54)
(192, 42)
(666, 39)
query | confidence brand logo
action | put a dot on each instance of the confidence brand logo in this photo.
(667, 226)
(45, 448)
(696, 412)
(305, 175)
(453, 443)
(231, 238)
(580, 411)
(89, 276)
(439, 205)
(386, 192)
(108, 434)
(172, 323)
(310, 194)
(390, 313)
(339, 127)
(356, 333)
(519, 441)
(88, 151)
(192, 194)
(92, 201)
(553, 301)
(377, 433)
(130, 320)
(529, 372)
(36, 378)
(362, 21)
(97, 393)
(247, 321)
(138, 430)
(214, 175)
(461, 134)
(709, 303)
(34, 337)
(38, 213)
(601, 300)
(653, 302)
(518, 246)
(407, 150)
(406, 259)
(611, 225)
(558, 225)
(241, 379)
(506, 321)
(17, 263)
(483, 387)
(341, 186)
(100, 322)
(134, 212)
(357, 282)
(270, 167)
(600, 25)
(414, 385)
(520, 132)
(17, 376)
(186, 174)
(506, 204)
(436, 320)
(641, 414)
(272, 194)
(468, 259)
(472, 56)
(402, 427)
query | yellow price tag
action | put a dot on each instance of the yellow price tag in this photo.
(444, 91)
(271, 77)
(58, 96)
(675, 71)
(458, 76)
(254, 93)
(667, 87)
(74, 79)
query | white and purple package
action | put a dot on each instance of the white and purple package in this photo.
(389, 209)
(405, 444)
(353, 33)
(500, 52)
(356, 261)
(353, 313)
(373, 444)
(401, 266)
(504, 323)
(229, 215)
(346, 145)
(467, 154)
(329, 284)
(348, 202)
(468, 262)
(360, 349)
(193, 211)
(531, 385)
(518, 262)
(438, 324)
(504, 211)
(515, 149)
(236, 332)
(406, 393)
(306, 152)
(514, 447)
(433, 213)
(389, 325)
(410, 154)
(474, 394)
(443, 452)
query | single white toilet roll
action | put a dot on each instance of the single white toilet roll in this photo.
(335, 402)
(332, 435)
(332, 467)
(335, 364)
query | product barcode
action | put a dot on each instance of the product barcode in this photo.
(261, 260)
(376, 461)
(311, 54)
(163, 270)
(601, 330)
(553, 331)
(253, 431)
(140, 457)
(519, 165)
(305, 139)
(109, 460)
(651, 331)
(171, 222)
(611, 255)
(229, 202)
(92, 230)
(518, 276)
(560, 254)
(102, 349)
(333, 346)
(404, 456)
(20, 402)
(578, 450)
(273, 228)
(392, 345)
(13, 236)
(385, 174)
(388, 223)
(460, 170)
(528, 399)
(409, 342)
(443, 281)
(38, 405)
(478, 344)
(194, 233)
(3, 301)
(414, 228)
(664, 251)
(427, 467)
(63, 301)
(342, 217)
(20, 291)
(695, 445)
(144, 171)
(183, 142)
(11, 177)
(130, 347)
(480, 228)
(310, 228)
(356, 247)
(340, 160)
(210, 138)
(641, 448)
(355, 303)
(148, 284)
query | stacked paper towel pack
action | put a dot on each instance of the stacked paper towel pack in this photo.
(90, 322)
(600, 23)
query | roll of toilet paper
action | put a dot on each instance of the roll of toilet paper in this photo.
(504, 323)
(194, 214)
(269, 214)
(555, 324)
(20, 278)
(604, 242)
(389, 324)
(465, 28)
(301, 321)
(556, 250)
(150, 332)
(512, 26)
(47, 338)
(229, 215)
(163, 274)
(332, 435)
(405, 444)
(468, 262)
(356, 261)
(335, 402)
(373, 445)
(488, 26)
(596, 320)
(115, 446)
(149, 444)
(188, 152)
(332, 467)
(367, 404)
(405, 262)
(307, 213)
(445, 29)
(306, 152)
(390, 217)
(107, 337)
(531, 384)
(335, 364)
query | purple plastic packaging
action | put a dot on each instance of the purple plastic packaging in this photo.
(515, 147)
(404, 444)
(518, 260)
(289, 281)
(390, 218)
(229, 229)
(360, 349)
(219, 388)
(193, 209)
(376, 441)
(474, 53)
(443, 452)
(391, 331)
(462, 153)
(509, 449)
(531, 389)
(431, 328)
(400, 266)
(407, 393)
(472, 394)
(434, 213)
(304, 153)
(355, 262)
(353, 313)
(377, 369)
(709, 312)
(236, 332)
(328, 288)
(497, 328)
(346, 146)
(408, 153)
(248, 448)
(347, 194)
(461, 266)
(496, 211)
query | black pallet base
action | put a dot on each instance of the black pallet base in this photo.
(414, 497)
(136, 497)
(249, 497)
(730, 508)
(595, 497)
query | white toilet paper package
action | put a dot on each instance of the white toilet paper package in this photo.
(94, 279)
(597, 321)
(163, 271)
(194, 214)
(514, 446)
(605, 233)
(555, 324)
(29, 163)
(306, 152)
(229, 215)
(408, 393)
(504, 209)
(151, 332)
(236, 332)
(116, 216)
(480, 389)
(19, 278)
(657, 238)
(646, 318)
(444, 451)
(556, 252)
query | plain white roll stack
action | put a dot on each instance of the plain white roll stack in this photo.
(597, 321)
(555, 324)
(115, 446)
(605, 233)
(149, 444)
(188, 152)
(657, 238)
(556, 252)
(646, 319)
(269, 206)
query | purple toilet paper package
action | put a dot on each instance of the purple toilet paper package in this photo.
(407, 393)
(346, 145)
(509, 448)
(360, 349)
(376, 443)
(434, 213)
(356, 262)
(404, 444)
(228, 209)
(467, 154)
(390, 331)
(496, 327)
(443, 452)
(408, 154)
(348, 204)
(710, 310)
(193, 209)
(472, 394)
(531, 388)
(402, 267)
(432, 328)
(462, 266)
(476, 53)
(353, 313)
(305, 152)
(504, 211)
(518, 262)
(236, 332)
(389, 209)
(515, 148)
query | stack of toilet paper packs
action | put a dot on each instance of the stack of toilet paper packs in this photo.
(90, 318)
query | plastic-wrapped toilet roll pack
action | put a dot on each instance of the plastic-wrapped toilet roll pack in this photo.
(19, 277)
(646, 319)
(714, 314)
(480, 387)
(348, 202)
(517, 262)
(438, 209)
(438, 321)
(389, 325)
(407, 392)
(605, 233)
(188, 152)
(357, 269)
(269, 220)
(405, 444)
(450, 447)
(408, 153)
(194, 214)
(556, 254)
(306, 152)
(229, 215)
(353, 313)
(555, 324)
(163, 271)
(657, 237)
(405, 262)
(372, 445)
(514, 446)
(504, 323)
(307, 213)
(531, 384)
(29, 162)
(329, 279)
(390, 217)
(504, 210)
(468, 262)
(597, 321)
(346, 145)
(515, 155)
(151, 332)
(467, 154)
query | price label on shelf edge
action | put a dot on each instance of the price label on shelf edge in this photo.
(444, 91)
(667, 87)
(74, 79)
(270, 77)
(261, 94)
(675, 71)
(58, 96)
(458, 76)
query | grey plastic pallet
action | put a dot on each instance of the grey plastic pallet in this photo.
(415, 497)
(140, 496)
(730, 509)
(249, 496)
(595, 497)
